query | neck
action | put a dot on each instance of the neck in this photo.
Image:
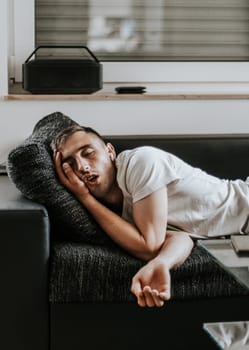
(114, 199)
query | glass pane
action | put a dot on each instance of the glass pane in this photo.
(158, 30)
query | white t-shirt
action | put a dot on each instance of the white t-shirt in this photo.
(198, 203)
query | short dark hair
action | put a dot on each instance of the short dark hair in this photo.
(62, 136)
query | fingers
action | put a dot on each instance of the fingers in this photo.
(141, 299)
(69, 178)
(157, 299)
(57, 161)
(147, 296)
(149, 300)
(152, 297)
(58, 166)
(67, 170)
(137, 291)
(64, 171)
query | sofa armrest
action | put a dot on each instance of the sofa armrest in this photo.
(24, 235)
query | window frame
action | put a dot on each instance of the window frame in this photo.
(215, 75)
(4, 42)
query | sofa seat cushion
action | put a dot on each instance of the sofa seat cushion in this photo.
(86, 273)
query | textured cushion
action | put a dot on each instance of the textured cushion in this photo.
(30, 167)
(83, 273)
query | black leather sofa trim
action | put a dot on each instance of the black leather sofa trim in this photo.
(24, 260)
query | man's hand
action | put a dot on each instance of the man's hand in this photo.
(151, 284)
(68, 178)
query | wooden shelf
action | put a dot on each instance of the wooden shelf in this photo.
(113, 96)
(18, 94)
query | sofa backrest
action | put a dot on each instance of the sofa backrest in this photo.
(226, 156)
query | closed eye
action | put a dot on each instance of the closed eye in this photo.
(87, 153)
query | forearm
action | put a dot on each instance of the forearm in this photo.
(176, 248)
(119, 230)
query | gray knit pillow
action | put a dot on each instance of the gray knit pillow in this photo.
(30, 167)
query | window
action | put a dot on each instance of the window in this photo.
(178, 75)
(145, 30)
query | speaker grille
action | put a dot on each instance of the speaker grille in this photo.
(62, 76)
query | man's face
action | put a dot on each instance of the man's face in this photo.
(90, 159)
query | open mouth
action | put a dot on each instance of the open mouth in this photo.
(91, 179)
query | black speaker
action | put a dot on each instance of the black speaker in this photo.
(62, 75)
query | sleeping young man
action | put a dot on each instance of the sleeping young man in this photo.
(136, 194)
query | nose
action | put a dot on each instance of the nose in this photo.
(83, 166)
(86, 168)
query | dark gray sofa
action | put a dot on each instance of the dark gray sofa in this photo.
(66, 294)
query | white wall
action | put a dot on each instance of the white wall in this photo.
(17, 118)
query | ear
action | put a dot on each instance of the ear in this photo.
(111, 150)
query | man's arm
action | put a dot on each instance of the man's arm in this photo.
(143, 240)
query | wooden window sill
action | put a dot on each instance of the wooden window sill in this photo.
(18, 94)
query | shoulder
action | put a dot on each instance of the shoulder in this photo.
(134, 162)
(146, 158)
(140, 154)
(143, 170)
(141, 163)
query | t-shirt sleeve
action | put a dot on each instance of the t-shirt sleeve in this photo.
(148, 170)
